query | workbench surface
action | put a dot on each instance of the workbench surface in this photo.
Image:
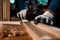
(38, 32)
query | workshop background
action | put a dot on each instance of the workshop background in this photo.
(13, 28)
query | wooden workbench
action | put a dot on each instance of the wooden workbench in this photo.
(40, 31)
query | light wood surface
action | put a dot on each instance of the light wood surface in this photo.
(6, 10)
(1, 10)
(40, 31)
(49, 30)
(10, 22)
(45, 31)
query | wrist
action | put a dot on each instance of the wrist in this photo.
(23, 9)
(49, 14)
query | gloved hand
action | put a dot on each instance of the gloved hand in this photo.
(22, 13)
(46, 18)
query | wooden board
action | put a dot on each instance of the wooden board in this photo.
(44, 31)
(1, 10)
(6, 10)
(10, 22)
(40, 31)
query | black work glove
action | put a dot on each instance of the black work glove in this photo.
(46, 18)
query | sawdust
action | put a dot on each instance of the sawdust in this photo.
(14, 32)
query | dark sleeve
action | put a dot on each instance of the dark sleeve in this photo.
(54, 4)
(21, 4)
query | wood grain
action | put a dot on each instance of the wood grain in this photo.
(38, 32)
